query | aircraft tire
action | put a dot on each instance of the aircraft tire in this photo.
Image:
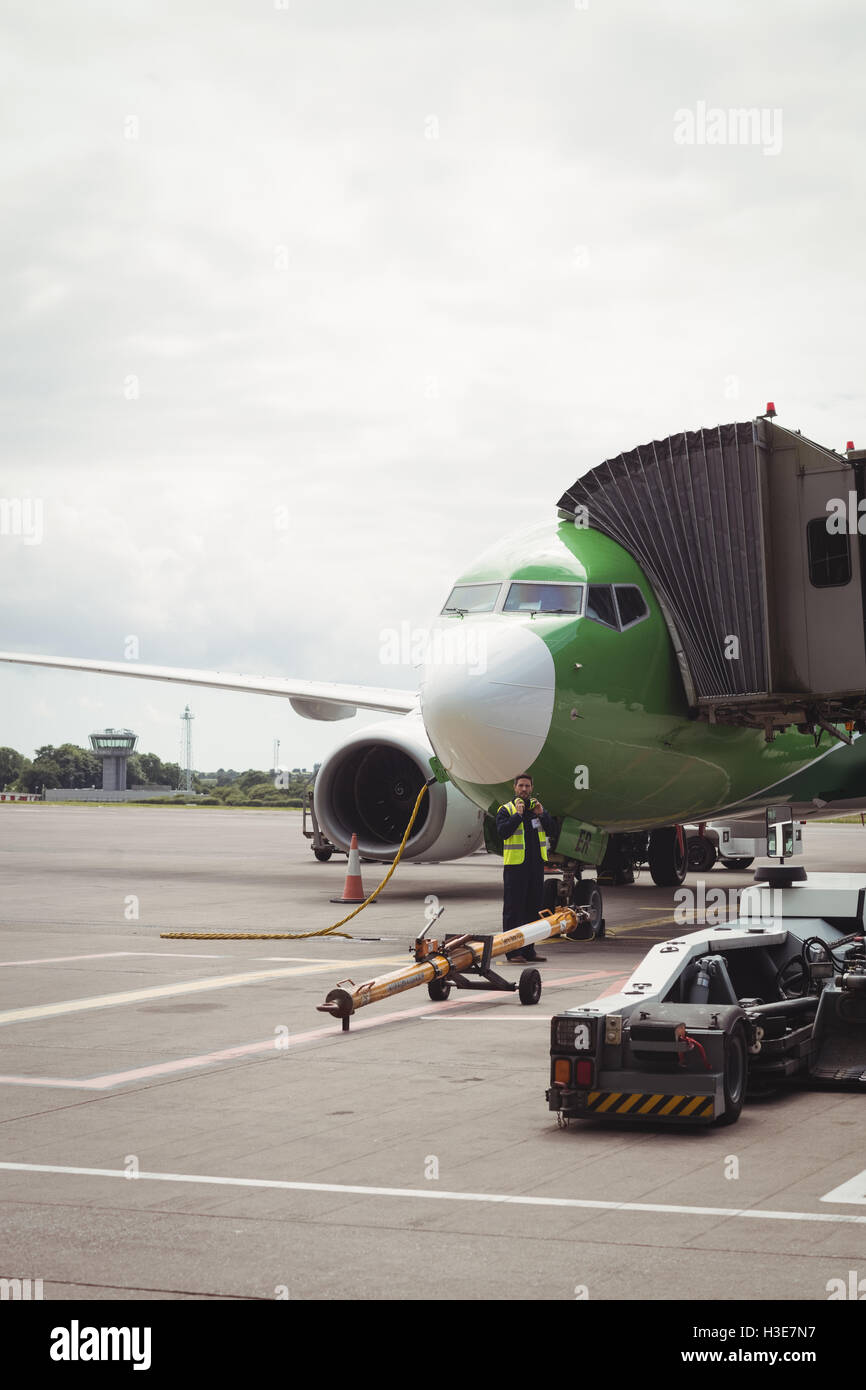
(550, 894)
(586, 893)
(701, 854)
(667, 863)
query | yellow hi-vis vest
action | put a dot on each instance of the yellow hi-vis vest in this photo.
(514, 848)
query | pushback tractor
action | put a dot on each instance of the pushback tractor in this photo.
(775, 998)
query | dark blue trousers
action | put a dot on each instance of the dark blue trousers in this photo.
(523, 892)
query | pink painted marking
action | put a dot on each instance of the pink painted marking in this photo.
(614, 988)
(228, 1054)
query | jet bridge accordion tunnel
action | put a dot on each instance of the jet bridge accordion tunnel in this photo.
(748, 534)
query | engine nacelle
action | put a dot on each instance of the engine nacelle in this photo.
(369, 785)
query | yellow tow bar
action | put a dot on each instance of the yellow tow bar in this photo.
(449, 962)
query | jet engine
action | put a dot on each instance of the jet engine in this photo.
(369, 785)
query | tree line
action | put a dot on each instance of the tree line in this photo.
(68, 765)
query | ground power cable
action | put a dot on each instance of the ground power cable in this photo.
(303, 935)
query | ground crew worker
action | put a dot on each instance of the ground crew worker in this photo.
(524, 826)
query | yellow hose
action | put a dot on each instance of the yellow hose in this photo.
(301, 935)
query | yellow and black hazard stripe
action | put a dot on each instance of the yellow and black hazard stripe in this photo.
(654, 1105)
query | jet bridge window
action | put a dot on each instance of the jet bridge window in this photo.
(829, 555)
(544, 598)
(472, 598)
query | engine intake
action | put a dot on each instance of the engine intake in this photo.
(370, 784)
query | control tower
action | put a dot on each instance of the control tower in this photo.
(113, 746)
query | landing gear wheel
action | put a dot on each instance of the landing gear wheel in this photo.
(737, 864)
(667, 860)
(550, 894)
(700, 854)
(586, 893)
(439, 990)
(528, 986)
(323, 855)
(736, 1074)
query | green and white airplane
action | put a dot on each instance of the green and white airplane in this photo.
(552, 656)
(581, 687)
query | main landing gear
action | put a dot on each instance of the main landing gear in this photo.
(664, 852)
(666, 856)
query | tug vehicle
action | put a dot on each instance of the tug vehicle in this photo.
(776, 997)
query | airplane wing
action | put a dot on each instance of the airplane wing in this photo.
(312, 699)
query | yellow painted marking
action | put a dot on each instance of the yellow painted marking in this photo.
(653, 1100)
(616, 930)
(671, 1104)
(135, 996)
(632, 1100)
(692, 1105)
(709, 1110)
(606, 1104)
(593, 1097)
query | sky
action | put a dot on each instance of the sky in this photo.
(307, 303)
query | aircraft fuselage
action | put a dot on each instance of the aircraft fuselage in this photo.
(592, 704)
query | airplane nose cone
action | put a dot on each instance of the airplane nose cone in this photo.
(487, 693)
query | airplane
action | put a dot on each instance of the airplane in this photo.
(555, 654)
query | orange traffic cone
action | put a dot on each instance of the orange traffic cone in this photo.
(353, 891)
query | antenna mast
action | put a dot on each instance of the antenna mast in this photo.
(186, 756)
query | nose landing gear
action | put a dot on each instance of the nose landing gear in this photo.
(570, 891)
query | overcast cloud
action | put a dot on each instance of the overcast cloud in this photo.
(394, 273)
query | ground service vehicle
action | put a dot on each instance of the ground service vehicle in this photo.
(777, 997)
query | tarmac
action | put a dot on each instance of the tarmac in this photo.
(177, 1121)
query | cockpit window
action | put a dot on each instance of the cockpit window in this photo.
(543, 598)
(472, 598)
(631, 604)
(600, 605)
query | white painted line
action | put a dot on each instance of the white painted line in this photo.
(184, 955)
(180, 1064)
(172, 955)
(136, 996)
(527, 1017)
(853, 1191)
(331, 959)
(107, 955)
(425, 1194)
(60, 960)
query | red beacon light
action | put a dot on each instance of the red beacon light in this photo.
(849, 446)
(771, 410)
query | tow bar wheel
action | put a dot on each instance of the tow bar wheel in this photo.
(439, 990)
(529, 986)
